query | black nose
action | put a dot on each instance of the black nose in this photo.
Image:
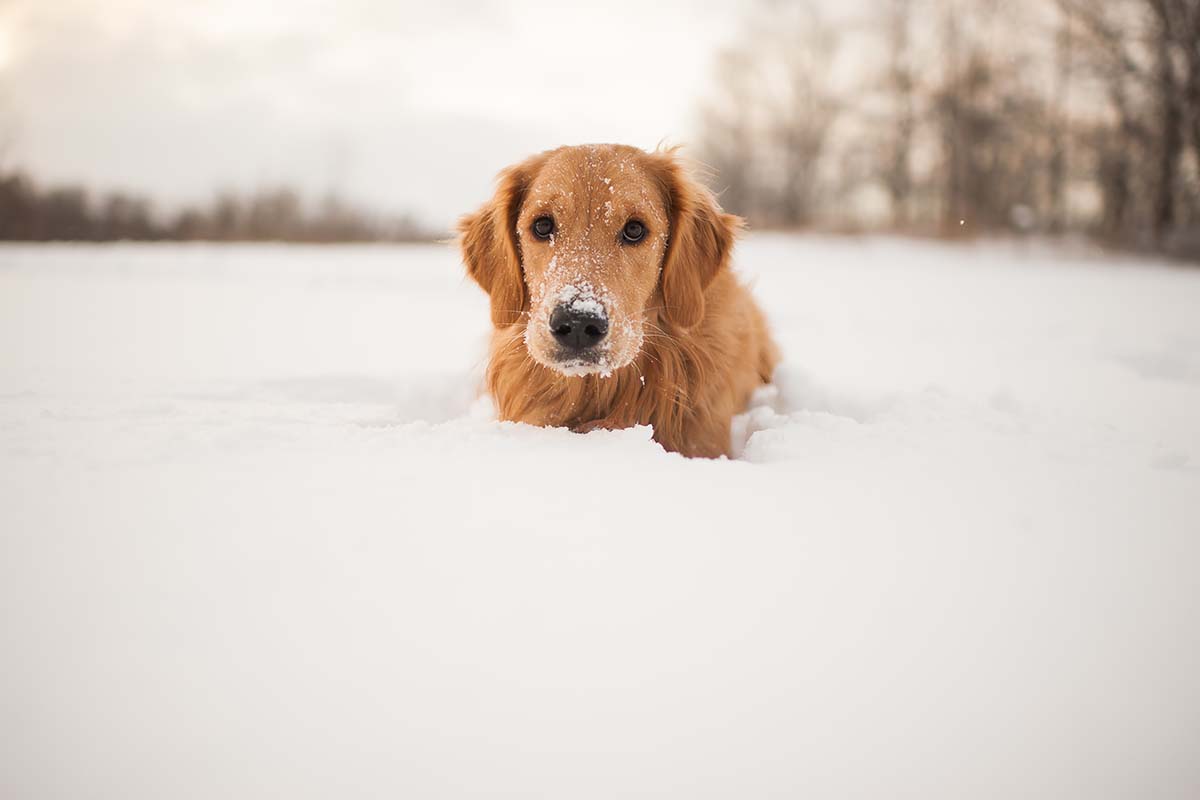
(575, 329)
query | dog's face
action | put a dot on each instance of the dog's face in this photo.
(592, 231)
(585, 244)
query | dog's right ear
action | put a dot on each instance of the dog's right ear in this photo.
(489, 243)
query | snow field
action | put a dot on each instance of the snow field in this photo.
(259, 537)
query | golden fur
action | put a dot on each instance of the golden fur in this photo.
(687, 343)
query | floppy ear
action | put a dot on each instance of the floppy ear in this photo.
(489, 244)
(699, 244)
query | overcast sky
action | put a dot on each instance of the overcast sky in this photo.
(395, 104)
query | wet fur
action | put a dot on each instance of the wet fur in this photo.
(705, 345)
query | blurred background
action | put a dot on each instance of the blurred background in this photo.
(374, 120)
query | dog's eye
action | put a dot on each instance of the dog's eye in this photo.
(543, 227)
(633, 232)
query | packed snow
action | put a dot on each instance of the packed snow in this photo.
(261, 537)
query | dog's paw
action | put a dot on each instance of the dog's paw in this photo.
(597, 425)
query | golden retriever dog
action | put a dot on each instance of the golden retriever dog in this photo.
(612, 299)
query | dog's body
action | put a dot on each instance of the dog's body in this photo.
(613, 301)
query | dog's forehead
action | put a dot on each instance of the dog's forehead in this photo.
(598, 176)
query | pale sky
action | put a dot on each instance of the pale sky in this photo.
(398, 105)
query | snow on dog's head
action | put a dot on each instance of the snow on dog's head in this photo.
(584, 246)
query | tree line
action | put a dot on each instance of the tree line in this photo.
(960, 117)
(30, 212)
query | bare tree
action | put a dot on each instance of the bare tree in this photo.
(1186, 26)
(900, 87)
(8, 130)
(729, 138)
(1059, 132)
(1168, 99)
(1144, 53)
(802, 108)
(767, 122)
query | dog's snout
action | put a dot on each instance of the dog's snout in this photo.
(577, 329)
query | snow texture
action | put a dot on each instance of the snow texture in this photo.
(582, 299)
(259, 538)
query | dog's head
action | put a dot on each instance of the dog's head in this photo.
(584, 245)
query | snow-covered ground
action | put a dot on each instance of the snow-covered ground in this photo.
(258, 539)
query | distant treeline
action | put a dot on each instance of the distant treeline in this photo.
(961, 117)
(30, 212)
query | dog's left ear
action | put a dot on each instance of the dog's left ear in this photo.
(490, 247)
(699, 244)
